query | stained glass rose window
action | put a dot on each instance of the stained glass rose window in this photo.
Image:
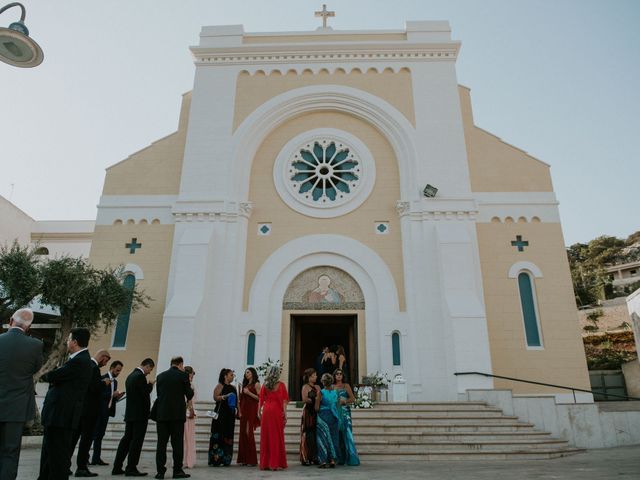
(324, 171)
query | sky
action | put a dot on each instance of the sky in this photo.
(559, 79)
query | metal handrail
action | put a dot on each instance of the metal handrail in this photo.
(573, 389)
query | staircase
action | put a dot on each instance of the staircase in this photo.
(406, 432)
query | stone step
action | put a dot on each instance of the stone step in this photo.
(407, 445)
(449, 452)
(363, 435)
(420, 431)
(387, 406)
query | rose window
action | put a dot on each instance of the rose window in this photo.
(324, 172)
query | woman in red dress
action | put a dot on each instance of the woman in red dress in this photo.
(249, 397)
(273, 417)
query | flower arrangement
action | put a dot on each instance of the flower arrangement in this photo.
(376, 380)
(363, 397)
(263, 369)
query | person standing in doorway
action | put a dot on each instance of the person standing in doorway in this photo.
(136, 417)
(20, 359)
(109, 399)
(62, 407)
(174, 390)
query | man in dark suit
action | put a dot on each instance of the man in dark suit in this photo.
(20, 359)
(109, 398)
(90, 412)
(63, 406)
(136, 417)
(173, 389)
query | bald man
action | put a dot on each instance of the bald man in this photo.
(20, 359)
(90, 412)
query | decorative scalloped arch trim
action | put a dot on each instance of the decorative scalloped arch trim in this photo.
(391, 123)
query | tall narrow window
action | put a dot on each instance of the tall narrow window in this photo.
(527, 300)
(122, 323)
(251, 349)
(395, 348)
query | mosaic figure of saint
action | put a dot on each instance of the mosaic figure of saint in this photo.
(324, 293)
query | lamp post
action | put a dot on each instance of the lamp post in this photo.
(16, 47)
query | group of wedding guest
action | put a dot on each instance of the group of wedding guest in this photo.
(326, 429)
(257, 405)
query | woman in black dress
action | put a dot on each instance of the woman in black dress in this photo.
(311, 399)
(221, 442)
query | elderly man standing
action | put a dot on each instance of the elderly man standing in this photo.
(20, 359)
(63, 406)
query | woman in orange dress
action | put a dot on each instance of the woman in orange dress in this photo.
(249, 397)
(273, 417)
(190, 427)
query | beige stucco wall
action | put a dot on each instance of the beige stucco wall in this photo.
(15, 225)
(155, 170)
(108, 248)
(496, 166)
(562, 361)
(253, 90)
(359, 224)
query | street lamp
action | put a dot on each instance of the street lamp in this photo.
(16, 47)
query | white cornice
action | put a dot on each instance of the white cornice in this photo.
(438, 209)
(326, 52)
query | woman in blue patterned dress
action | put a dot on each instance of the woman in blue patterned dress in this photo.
(347, 453)
(328, 424)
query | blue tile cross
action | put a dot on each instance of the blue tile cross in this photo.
(133, 245)
(518, 242)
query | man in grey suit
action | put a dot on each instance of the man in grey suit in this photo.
(20, 359)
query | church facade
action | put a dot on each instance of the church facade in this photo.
(330, 187)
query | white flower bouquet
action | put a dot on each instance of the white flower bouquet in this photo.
(364, 398)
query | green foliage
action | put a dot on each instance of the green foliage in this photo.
(20, 278)
(84, 295)
(588, 262)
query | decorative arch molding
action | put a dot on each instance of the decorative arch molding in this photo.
(392, 124)
(518, 267)
(321, 69)
(359, 261)
(135, 270)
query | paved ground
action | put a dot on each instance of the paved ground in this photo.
(611, 463)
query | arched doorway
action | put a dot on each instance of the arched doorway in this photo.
(323, 307)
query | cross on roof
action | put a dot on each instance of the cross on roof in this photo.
(325, 14)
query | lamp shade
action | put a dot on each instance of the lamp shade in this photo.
(17, 48)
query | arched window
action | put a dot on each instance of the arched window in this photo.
(251, 349)
(122, 323)
(42, 251)
(395, 348)
(529, 313)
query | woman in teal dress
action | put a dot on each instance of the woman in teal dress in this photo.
(347, 453)
(328, 424)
